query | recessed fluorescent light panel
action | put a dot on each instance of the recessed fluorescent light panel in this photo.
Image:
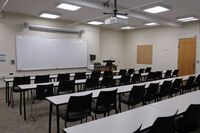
(151, 24)
(48, 15)
(95, 23)
(127, 28)
(122, 16)
(187, 19)
(68, 7)
(156, 9)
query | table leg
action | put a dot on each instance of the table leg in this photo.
(20, 107)
(24, 102)
(120, 106)
(50, 114)
(58, 119)
(6, 90)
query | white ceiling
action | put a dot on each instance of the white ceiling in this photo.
(179, 8)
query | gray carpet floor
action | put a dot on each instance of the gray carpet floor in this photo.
(12, 122)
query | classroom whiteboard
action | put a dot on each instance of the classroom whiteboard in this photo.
(35, 53)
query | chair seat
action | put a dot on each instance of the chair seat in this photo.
(101, 109)
(131, 101)
(75, 116)
(180, 127)
(16, 89)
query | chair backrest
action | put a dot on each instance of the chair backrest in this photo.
(131, 71)
(66, 86)
(138, 130)
(158, 74)
(21, 80)
(107, 82)
(176, 85)
(190, 82)
(92, 83)
(175, 73)
(107, 73)
(43, 91)
(148, 70)
(151, 76)
(141, 70)
(125, 80)
(197, 81)
(107, 98)
(163, 125)
(63, 76)
(41, 78)
(136, 78)
(191, 115)
(95, 74)
(80, 75)
(168, 74)
(165, 88)
(122, 72)
(137, 94)
(152, 91)
(81, 104)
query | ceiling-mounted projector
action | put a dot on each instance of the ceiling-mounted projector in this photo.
(116, 20)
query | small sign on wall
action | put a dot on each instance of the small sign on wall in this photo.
(2, 57)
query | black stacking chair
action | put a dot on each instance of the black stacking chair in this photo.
(122, 72)
(78, 108)
(63, 77)
(190, 119)
(41, 92)
(92, 83)
(152, 93)
(163, 125)
(107, 74)
(107, 82)
(197, 82)
(189, 84)
(141, 70)
(165, 89)
(42, 78)
(18, 81)
(135, 96)
(66, 86)
(131, 71)
(95, 74)
(175, 73)
(158, 75)
(138, 130)
(80, 75)
(151, 76)
(148, 70)
(136, 79)
(176, 87)
(125, 80)
(168, 74)
(105, 103)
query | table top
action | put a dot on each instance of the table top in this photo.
(125, 122)
(180, 103)
(63, 99)
(129, 121)
(53, 76)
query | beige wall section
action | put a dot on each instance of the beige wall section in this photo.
(112, 47)
(165, 45)
(11, 26)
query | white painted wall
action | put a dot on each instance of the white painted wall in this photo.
(12, 25)
(165, 45)
(112, 47)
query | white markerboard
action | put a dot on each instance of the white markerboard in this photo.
(36, 53)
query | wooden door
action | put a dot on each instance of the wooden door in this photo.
(187, 56)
